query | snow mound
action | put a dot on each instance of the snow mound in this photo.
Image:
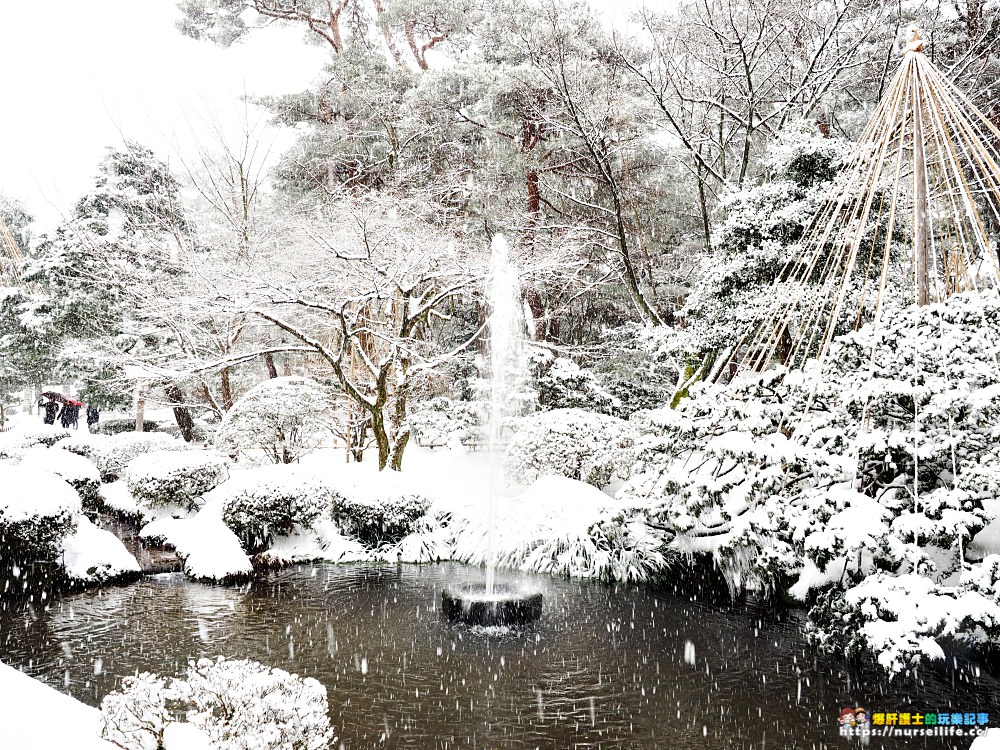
(30, 493)
(210, 551)
(93, 555)
(81, 473)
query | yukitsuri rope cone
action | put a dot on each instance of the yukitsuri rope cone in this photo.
(10, 258)
(909, 216)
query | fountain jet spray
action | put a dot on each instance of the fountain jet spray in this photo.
(506, 372)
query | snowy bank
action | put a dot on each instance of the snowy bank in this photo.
(37, 717)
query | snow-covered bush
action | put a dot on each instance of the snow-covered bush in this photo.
(238, 704)
(81, 473)
(565, 527)
(14, 444)
(376, 515)
(571, 443)
(134, 717)
(120, 426)
(244, 705)
(269, 502)
(562, 384)
(441, 420)
(903, 619)
(161, 478)
(37, 510)
(113, 453)
(285, 417)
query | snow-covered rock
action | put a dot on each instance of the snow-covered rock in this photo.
(92, 555)
(209, 549)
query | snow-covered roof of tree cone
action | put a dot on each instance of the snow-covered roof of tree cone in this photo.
(906, 222)
(10, 257)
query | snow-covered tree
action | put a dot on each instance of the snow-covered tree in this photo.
(877, 462)
(285, 418)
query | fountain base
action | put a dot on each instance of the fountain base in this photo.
(473, 606)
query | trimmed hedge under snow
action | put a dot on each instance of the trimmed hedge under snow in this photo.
(37, 510)
(269, 502)
(161, 478)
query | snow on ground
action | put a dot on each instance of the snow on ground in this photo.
(988, 741)
(93, 555)
(34, 716)
(30, 493)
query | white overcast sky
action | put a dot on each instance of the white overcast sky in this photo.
(80, 76)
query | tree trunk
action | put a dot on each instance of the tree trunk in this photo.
(182, 414)
(381, 438)
(272, 371)
(140, 408)
(227, 390)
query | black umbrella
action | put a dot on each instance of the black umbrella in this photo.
(53, 396)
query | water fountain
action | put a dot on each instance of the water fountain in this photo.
(493, 604)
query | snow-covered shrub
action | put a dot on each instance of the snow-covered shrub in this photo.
(134, 717)
(119, 426)
(81, 473)
(244, 705)
(37, 510)
(14, 444)
(285, 417)
(638, 369)
(113, 453)
(903, 619)
(571, 443)
(238, 704)
(441, 420)
(161, 478)
(378, 516)
(269, 502)
(565, 527)
(562, 384)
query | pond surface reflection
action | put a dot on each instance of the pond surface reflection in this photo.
(605, 667)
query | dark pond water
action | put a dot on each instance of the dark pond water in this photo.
(605, 667)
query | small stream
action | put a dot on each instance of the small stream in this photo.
(605, 667)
